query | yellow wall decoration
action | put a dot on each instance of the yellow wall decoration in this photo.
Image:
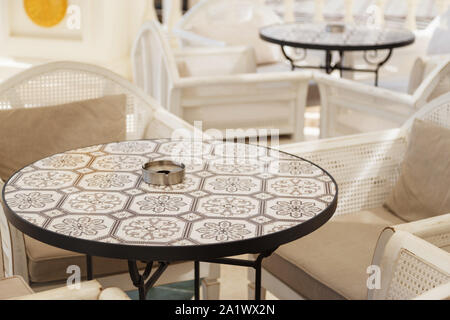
(46, 13)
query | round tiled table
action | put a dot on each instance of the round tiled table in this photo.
(317, 36)
(235, 199)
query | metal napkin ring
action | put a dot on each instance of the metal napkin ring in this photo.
(163, 172)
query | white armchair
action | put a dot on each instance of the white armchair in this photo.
(14, 287)
(331, 263)
(229, 22)
(350, 107)
(225, 94)
(63, 82)
(410, 267)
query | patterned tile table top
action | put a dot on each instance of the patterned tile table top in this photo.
(317, 34)
(230, 192)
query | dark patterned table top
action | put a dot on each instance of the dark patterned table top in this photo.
(354, 37)
(231, 192)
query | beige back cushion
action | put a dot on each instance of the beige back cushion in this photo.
(422, 190)
(30, 134)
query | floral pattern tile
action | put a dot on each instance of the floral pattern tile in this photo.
(64, 161)
(33, 201)
(296, 187)
(125, 163)
(131, 147)
(232, 184)
(148, 229)
(294, 209)
(161, 204)
(294, 168)
(94, 202)
(236, 166)
(231, 192)
(47, 179)
(108, 181)
(80, 226)
(228, 206)
(220, 230)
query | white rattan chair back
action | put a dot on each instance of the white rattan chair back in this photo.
(437, 112)
(410, 267)
(367, 166)
(233, 22)
(434, 85)
(154, 66)
(64, 82)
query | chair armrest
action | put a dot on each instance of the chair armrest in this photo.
(243, 79)
(197, 62)
(440, 67)
(262, 89)
(205, 51)
(435, 230)
(88, 291)
(402, 254)
(441, 292)
(370, 92)
(113, 294)
(12, 247)
(188, 38)
(365, 166)
(372, 108)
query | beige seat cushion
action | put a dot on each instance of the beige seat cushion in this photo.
(13, 287)
(422, 189)
(331, 262)
(30, 134)
(47, 263)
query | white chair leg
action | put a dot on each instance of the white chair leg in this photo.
(251, 292)
(211, 289)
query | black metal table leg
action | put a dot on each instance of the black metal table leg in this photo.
(328, 57)
(140, 280)
(341, 63)
(197, 280)
(258, 272)
(89, 270)
(370, 59)
(283, 50)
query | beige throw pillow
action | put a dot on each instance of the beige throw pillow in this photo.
(423, 189)
(30, 134)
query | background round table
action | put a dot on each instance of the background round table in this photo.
(235, 199)
(353, 38)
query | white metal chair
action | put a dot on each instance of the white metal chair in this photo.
(350, 107)
(220, 87)
(366, 168)
(63, 82)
